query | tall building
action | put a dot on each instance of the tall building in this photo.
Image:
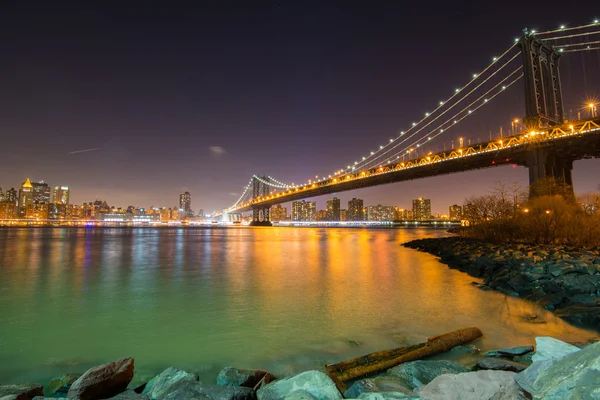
(185, 203)
(11, 195)
(455, 212)
(333, 209)
(37, 211)
(380, 213)
(355, 210)
(25, 197)
(41, 192)
(7, 209)
(304, 210)
(422, 209)
(1, 194)
(278, 213)
(322, 215)
(60, 194)
(343, 215)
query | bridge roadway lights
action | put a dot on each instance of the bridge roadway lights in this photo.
(541, 164)
(261, 216)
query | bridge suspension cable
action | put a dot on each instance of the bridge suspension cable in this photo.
(563, 28)
(466, 108)
(582, 49)
(246, 189)
(269, 183)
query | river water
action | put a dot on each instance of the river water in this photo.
(283, 299)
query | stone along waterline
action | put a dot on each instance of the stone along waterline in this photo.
(281, 299)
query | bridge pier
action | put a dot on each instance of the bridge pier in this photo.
(542, 165)
(261, 216)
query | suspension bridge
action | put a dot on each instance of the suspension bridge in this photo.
(547, 146)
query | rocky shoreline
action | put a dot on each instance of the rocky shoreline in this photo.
(561, 279)
(553, 370)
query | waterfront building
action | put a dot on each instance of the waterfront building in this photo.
(343, 215)
(422, 209)
(60, 194)
(185, 203)
(278, 213)
(355, 210)
(176, 213)
(304, 210)
(455, 212)
(36, 211)
(11, 195)
(380, 213)
(7, 209)
(322, 215)
(57, 211)
(165, 214)
(1, 194)
(41, 192)
(333, 209)
(25, 197)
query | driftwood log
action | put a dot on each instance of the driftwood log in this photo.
(378, 361)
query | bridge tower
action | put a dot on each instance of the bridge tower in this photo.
(543, 107)
(260, 214)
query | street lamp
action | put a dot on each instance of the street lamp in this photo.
(592, 107)
(513, 123)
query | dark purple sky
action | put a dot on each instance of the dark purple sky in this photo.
(288, 89)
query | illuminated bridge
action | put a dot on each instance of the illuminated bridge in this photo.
(547, 146)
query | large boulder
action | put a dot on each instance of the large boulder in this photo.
(60, 385)
(386, 396)
(211, 392)
(421, 372)
(231, 376)
(103, 381)
(300, 395)
(379, 384)
(510, 352)
(548, 348)
(575, 376)
(24, 391)
(129, 395)
(316, 383)
(499, 364)
(480, 385)
(170, 380)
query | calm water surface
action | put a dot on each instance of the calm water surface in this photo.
(284, 299)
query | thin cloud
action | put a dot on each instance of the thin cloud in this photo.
(84, 150)
(217, 150)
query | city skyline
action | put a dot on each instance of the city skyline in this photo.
(108, 112)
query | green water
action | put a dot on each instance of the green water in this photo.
(283, 299)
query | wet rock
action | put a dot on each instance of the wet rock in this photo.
(60, 385)
(386, 396)
(231, 376)
(496, 385)
(103, 381)
(300, 395)
(499, 364)
(418, 373)
(168, 381)
(129, 395)
(588, 314)
(379, 384)
(548, 348)
(575, 376)
(510, 352)
(24, 391)
(469, 349)
(316, 383)
(197, 390)
(524, 359)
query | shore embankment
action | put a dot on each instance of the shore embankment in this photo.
(564, 280)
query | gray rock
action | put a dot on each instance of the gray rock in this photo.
(559, 268)
(129, 395)
(231, 376)
(526, 378)
(509, 352)
(316, 383)
(299, 395)
(548, 348)
(22, 391)
(496, 385)
(417, 373)
(168, 381)
(103, 381)
(211, 392)
(382, 383)
(386, 396)
(575, 376)
(60, 385)
(465, 349)
(524, 359)
(499, 364)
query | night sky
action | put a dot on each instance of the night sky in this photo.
(200, 98)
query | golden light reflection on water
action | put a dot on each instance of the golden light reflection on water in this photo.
(276, 298)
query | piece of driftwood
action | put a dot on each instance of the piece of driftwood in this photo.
(378, 361)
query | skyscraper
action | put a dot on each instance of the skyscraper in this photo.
(11, 195)
(278, 213)
(25, 197)
(304, 210)
(380, 213)
(1, 194)
(41, 192)
(185, 203)
(422, 209)
(60, 194)
(333, 209)
(455, 212)
(355, 210)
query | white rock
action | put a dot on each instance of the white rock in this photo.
(480, 385)
(317, 383)
(548, 348)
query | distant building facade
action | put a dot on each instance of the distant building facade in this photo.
(7, 209)
(343, 215)
(421, 209)
(380, 213)
(304, 210)
(185, 204)
(41, 192)
(25, 197)
(60, 194)
(455, 212)
(11, 195)
(278, 213)
(333, 209)
(356, 210)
